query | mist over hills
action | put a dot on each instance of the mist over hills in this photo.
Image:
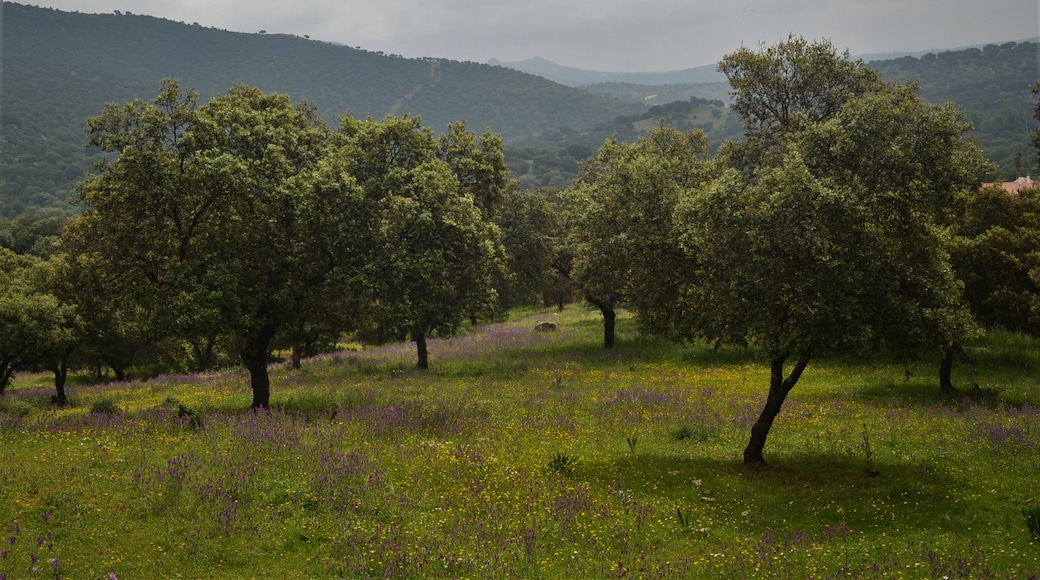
(58, 68)
(575, 77)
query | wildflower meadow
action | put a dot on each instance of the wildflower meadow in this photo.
(525, 454)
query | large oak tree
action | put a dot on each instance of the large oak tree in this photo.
(829, 239)
(436, 250)
(224, 218)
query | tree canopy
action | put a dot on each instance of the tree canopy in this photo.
(436, 251)
(225, 218)
(829, 239)
(621, 232)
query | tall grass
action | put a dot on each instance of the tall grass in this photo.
(516, 457)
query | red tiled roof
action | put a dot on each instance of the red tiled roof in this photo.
(1014, 187)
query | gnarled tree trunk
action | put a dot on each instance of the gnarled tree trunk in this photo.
(779, 387)
(60, 367)
(254, 357)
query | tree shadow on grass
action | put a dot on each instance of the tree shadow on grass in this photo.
(804, 490)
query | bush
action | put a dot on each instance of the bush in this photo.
(104, 406)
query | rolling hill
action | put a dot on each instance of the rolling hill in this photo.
(58, 68)
(61, 67)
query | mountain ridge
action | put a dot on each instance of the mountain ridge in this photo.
(579, 77)
(576, 77)
(58, 68)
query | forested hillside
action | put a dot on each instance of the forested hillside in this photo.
(991, 85)
(58, 68)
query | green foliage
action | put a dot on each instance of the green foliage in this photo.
(38, 326)
(62, 67)
(563, 464)
(436, 251)
(991, 85)
(825, 233)
(1032, 517)
(222, 219)
(993, 246)
(788, 86)
(621, 230)
(532, 236)
(32, 234)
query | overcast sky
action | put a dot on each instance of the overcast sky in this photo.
(605, 35)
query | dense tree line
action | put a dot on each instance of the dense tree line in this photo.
(846, 220)
(234, 226)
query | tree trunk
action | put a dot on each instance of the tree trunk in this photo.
(204, 353)
(117, 367)
(609, 320)
(254, 357)
(7, 368)
(297, 354)
(779, 387)
(609, 325)
(945, 370)
(60, 399)
(60, 368)
(420, 345)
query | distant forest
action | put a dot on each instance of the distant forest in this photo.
(58, 68)
(991, 85)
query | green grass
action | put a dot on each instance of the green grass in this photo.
(531, 455)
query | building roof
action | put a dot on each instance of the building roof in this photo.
(1014, 187)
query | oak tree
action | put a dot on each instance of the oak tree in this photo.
(622, 234)
(435, 249)
(832, 242)
(225, 218)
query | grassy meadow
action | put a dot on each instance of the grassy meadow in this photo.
(524, 454)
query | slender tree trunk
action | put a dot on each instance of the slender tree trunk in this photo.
(204, 353)
(609, 320)
(297, 354)
(7, 367)
(609, 326)
(61, 399)
(779, 387)
(946, 369)
(254, 357)
(420, 345)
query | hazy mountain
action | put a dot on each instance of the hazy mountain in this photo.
(575, 77)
